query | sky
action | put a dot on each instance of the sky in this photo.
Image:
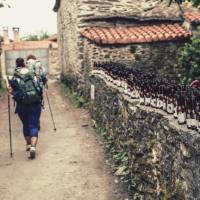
(32, 16)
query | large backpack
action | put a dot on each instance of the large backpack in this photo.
(27, 87)
(36, 67)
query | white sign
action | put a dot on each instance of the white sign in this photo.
(92, 93)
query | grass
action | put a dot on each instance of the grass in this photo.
(119, 160)
(2, 88)
(75, 99)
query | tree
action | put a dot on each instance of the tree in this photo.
(3, 4)
(190, 61)
(42, 35)
(31, 37)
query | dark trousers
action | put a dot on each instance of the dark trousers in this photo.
(30, 117)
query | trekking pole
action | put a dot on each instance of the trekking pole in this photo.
(10, 127)
(54, 125)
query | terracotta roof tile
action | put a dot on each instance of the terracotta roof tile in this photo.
(193, 17)
(53, 38)
(138, 34)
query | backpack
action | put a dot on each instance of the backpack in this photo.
(36, 67)
(27, 87)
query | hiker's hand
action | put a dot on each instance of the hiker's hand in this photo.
(10, 90)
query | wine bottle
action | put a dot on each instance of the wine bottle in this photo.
(170, 100)
(181, 107)
(194, 120)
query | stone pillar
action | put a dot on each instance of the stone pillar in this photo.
(16, 34)
(6, 35)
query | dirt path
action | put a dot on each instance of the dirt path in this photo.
(70, 163)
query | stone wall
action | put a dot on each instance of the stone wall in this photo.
(0, 77)
(54, 65)
(163, 156)
(158, 57)
(0, 70)
(68, 37)
(143, 9)
(74, 15)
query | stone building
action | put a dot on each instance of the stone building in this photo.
(54, 69)
(163, 157)
(143, 33)
(46, 51)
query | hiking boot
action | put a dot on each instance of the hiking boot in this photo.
(28, 147)
(32, 152)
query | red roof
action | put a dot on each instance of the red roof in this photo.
(53, 38)
(136, 34)
(192, 17)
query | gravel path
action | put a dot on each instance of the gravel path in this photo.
(70, 163)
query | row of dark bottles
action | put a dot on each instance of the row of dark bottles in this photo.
(150, 89)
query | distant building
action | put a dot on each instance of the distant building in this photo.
(144, 34)
(46, 51)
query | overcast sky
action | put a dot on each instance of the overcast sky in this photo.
(31, 16)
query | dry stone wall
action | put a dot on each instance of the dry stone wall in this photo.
(143, 9)
(163, 157)
(74, 15)
(68, 38)
(158, 57)
(54, 66)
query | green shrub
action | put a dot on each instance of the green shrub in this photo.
(2, 88)
(1, 83)
(190, 61)
(77, 100)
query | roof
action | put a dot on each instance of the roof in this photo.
(56, 6)
(53, 38)
(136, 34)
(192, 17)
(134, 9)
(29, 45)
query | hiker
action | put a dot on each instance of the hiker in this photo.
(35, 65)
(27, 92)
